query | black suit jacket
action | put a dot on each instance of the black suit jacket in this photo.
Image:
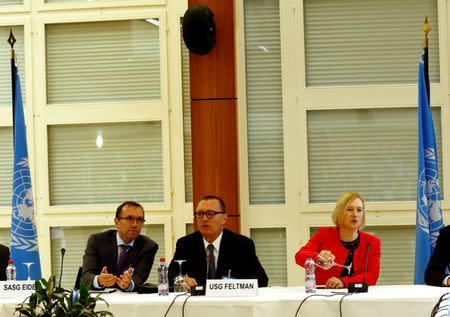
(237, 253)
(101, 250)
(439, 260)
(4, 257)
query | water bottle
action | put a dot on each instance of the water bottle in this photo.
(310, 276)
(163, 278)
(11, 271)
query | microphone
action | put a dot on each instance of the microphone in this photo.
(63, 251)
(75, 293)
(78, 279)
(201, 289)
(361, 287)
(367, 262)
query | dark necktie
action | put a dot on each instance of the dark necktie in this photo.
(212, 262)
(122, 258)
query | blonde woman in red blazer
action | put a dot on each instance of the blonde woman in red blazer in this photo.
(344, 244)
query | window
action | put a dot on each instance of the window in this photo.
(397, 244)
(348, 42)
(11, 2)
(5, 236)
(270, 246)
(371, 151)
(6, 165)
(264, 102)
(64, 1)
(105, 163)
(186, 123)
(103, 61)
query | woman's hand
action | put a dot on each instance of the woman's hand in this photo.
(334, 282)
(325, 259)
(327, 255)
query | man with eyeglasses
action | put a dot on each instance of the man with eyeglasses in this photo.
(120, 258)
(214, 252)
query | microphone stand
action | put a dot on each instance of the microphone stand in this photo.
(78, 279)
(63, 252)
(201, 289)
(361, 287)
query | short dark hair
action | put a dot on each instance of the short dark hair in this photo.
(213, 197)
(128, 203)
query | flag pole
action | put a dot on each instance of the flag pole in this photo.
(24, 248)
(12, 41)
(428, 202)
(426, 28)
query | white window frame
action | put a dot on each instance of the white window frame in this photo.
(99, 112)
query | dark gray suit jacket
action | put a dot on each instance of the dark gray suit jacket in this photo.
(439, 260)
(4, 257)
(237, 253)
(101, 250)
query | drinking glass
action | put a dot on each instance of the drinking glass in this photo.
(327, 264)
(179, 284)
(28, 264)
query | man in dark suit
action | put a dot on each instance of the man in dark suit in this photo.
(4, 257)
(214, 252)
(436, 272)
(120, 258)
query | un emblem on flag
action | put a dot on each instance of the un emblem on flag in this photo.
(429, 204)
(23, 231)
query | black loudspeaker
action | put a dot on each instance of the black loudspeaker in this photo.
(199, 29)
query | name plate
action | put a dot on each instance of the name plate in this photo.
(10, 289)
(231, 287)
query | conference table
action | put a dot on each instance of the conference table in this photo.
(397, 300)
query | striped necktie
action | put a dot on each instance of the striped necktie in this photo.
(122, 258)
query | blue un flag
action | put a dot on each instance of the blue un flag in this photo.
(429, 213)
(24, 244)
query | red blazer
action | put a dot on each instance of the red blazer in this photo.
(328, 239)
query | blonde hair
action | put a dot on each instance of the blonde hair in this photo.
(341, 207)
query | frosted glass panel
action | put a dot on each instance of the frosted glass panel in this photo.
(270, 246)
(6, 165)
(10, 2)
(397, 244)
(371, 151)
(102, 61)
(65, 1)
(186, 124)
(5, 236)
(105, 163)
(357, 42)
(264, 102)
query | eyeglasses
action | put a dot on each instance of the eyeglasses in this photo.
(130, 219)
(209, 214)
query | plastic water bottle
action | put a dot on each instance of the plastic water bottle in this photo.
(11, 271)
(163, 278)
(310, 276)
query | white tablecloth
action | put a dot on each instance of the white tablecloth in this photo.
(402, 300)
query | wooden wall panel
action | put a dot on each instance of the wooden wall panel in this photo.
(214, 153)
(214, 115)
